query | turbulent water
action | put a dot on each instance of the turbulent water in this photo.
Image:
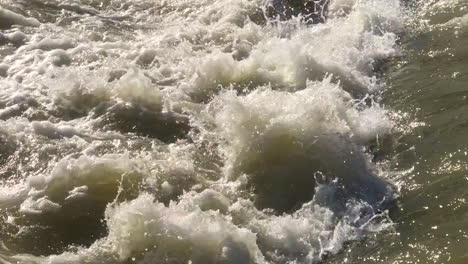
(216, 131)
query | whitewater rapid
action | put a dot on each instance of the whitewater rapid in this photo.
(192, 131)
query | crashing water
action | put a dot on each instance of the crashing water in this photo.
(195, 131)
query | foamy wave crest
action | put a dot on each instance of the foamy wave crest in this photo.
(193, 131)
(281, 139)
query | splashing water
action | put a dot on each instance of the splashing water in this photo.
(193, 131)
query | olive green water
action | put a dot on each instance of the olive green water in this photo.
(428, 85)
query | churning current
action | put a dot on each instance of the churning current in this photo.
(199, 131)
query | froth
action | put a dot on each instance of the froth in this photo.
(196, 131)
(85, 175)
(281, 139)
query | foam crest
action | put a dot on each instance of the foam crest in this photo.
(136, 88)
(9, 18)
(192, 131)
(283, 139)
(141, 225)
(144, 230)
(347, 46)
(74, 178)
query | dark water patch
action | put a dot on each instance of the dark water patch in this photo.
(310, 11)
(167, 127)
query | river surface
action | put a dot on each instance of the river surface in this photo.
(219, 131)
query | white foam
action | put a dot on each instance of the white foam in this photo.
(143, 224)
(134, 87)
(323, 111)
(41, 193)
(16, 37)
(52, 44)
(50, 130)
(150, 230)
(145, 230)
(9, 18)
(265, 111)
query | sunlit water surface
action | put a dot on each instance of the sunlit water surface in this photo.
(204, 131)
